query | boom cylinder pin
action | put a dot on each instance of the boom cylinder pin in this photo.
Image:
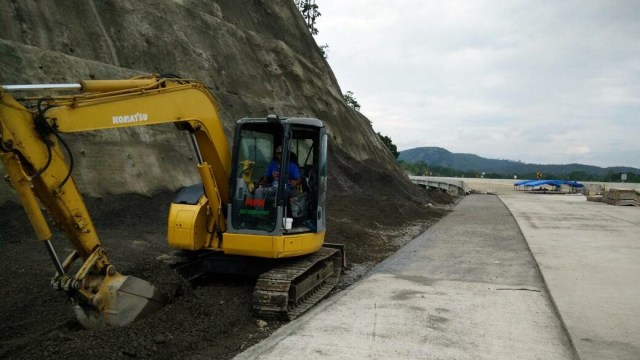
(54, 257)
(87, 85)
(28, 87)
(196, 148)
(116, 85)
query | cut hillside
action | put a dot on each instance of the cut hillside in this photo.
(256, 56)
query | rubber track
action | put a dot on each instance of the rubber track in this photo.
(271, 293)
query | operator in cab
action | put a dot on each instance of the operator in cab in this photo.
(268, 185)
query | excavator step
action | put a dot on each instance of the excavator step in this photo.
(287, 291)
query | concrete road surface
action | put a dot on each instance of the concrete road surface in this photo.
(468, 288)
(589, 255)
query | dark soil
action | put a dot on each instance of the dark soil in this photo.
(210, 320)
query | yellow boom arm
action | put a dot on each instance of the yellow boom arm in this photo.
(37, 170)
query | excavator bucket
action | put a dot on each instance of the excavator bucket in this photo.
(120, 301)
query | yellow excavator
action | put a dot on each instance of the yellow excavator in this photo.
(221, 224)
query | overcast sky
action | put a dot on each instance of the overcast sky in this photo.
(549, 82)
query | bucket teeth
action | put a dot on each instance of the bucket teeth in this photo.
(120, 301)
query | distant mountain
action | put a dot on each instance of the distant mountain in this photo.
(436, 156)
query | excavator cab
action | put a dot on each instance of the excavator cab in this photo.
(273, 207)
(275, 232)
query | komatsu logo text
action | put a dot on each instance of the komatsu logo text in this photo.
(125, 119)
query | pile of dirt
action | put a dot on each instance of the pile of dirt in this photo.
(210, 320)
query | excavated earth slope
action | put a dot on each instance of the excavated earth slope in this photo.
(258, 58)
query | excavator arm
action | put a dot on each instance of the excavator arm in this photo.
(31, 149)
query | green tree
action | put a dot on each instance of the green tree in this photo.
(351, 100)
(310, 13)
(389, 144)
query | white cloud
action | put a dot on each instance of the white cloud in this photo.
(578, 150)
(498, 79)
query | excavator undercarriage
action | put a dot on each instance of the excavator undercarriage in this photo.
(284, 288)
(290, 289)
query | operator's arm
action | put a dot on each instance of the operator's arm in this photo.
(295, 178)
(268, 175)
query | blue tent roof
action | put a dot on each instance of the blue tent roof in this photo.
(521, 183)
(557, 183)
(574, 184)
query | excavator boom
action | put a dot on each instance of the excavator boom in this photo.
(37, 171)
(32, 152)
